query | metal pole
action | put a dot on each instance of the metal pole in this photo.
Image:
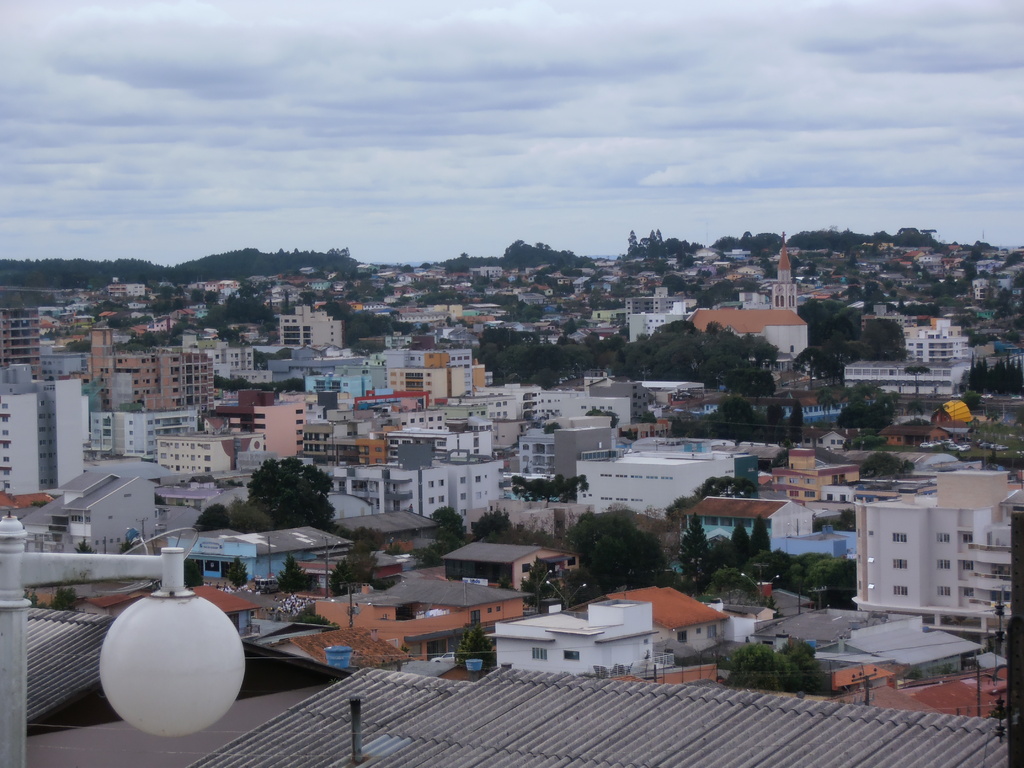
(20, 569)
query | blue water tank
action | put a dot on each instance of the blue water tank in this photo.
(339, 655)
(474, 665)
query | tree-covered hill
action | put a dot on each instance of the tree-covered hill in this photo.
(233, 265)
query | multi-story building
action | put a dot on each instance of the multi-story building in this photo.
(201, 453)
(805, 478)
(938, 342)
(158, 380)
(646, 323)
(434, 377)
(942, 556)
(228, 361)
(259, 412)
(419, 486)
(309, 327)
(135, 433)
(459, 361)
(442, 441)
(119, 290)
(41, 431)
(941, 378)
(660, 303)
(19, 338)
(62, 365)
(652, 479)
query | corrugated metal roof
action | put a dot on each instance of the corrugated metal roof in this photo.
(63, 658)
(524, 719)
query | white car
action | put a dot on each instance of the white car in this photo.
(449, 657)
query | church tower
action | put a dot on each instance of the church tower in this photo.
(784, 290)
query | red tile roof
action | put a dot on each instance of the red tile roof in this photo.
(671, 608)
(366, 652)
(226, 601)
(746, 320)
(731, 507)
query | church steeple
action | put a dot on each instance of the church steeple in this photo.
(784, 290)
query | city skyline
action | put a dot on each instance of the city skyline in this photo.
(172, 130)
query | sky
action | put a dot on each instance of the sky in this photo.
(411, 131)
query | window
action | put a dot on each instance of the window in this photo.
(944, 592)
(967, 565)
(571, 655)
(968, 591)
(968, 538)
(900, 565)
(942, 538)
(898, 590)
(712, 632)
(681, 636)
(900, 538)
(943, 565)
(474, 617)
(540, 654)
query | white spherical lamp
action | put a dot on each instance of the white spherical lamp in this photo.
(172, 664)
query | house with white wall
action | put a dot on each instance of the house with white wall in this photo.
(615, 636)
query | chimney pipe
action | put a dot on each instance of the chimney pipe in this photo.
(356, 705)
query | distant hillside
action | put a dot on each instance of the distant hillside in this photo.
(234, 265)
(520, 255)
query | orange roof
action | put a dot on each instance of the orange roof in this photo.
(731, 507)
(108, 601)
(957, 697)
(745, 320)
(226, 601)
(367, 652)
(671, 608)
(23, 500)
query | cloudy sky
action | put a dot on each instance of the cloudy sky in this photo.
(414, 131)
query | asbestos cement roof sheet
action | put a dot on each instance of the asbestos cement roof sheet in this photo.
(532, 720)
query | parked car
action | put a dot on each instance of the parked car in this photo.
(449, 657)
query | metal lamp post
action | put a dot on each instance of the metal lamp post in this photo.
(160, 628)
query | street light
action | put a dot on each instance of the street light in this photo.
(170, 665)
(575, 592)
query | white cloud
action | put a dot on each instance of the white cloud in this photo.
(408, 130)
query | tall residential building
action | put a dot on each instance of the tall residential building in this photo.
(158, 380)
(134, 433)
(19, 338)
(945, 557)
(310, 328)
(41, 431)
(938, 342)
(258, 411)
(228, 361)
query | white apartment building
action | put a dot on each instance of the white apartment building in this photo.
(505, 403)
(650, 479)
(308, 327)
(42, 430)
(942, 378)
(646, 323)
(551, 405)
(939, 342)
(128, 433)
(378, 488)
(443, 441)
(615, 637)
(537, 452)
(945, 557)
(201, 453)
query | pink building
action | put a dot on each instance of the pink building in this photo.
(257, 411)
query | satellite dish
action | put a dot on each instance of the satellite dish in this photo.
(185, 538)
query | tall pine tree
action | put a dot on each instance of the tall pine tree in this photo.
(693, 554)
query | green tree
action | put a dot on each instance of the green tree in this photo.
(451, 531)
(883, 464)
(341, 577)
(796, 423)
(693, 554)
(760, 541)
(193, 574)
(491, 525)
(292, 578)
(237, 572)
(756, 666)
(802, 670)
(615, 551)
(248, 517)
(294, 494)
(559, 488)
(733, 586)
(213, 518)
(475, 644)
(741, 543)
(83, 548)
(536, 582)
(64, 599)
